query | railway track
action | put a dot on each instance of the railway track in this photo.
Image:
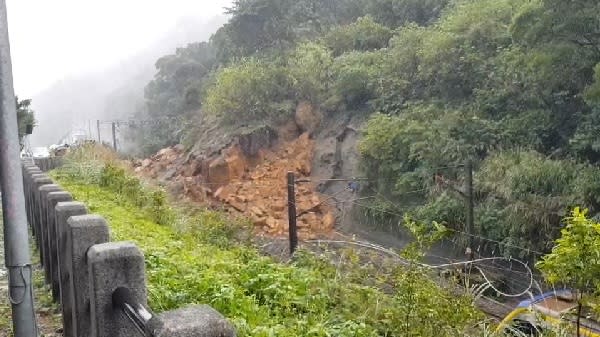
(495, 309)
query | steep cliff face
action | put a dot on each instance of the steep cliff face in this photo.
(261, 193)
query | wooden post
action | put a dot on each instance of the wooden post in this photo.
(114, 135)
(469, 206)
(293, 230)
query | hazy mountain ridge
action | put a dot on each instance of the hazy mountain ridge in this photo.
(115, 92)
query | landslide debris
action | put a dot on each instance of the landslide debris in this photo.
(247, 173)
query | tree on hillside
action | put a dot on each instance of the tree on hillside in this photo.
(25, 116)
(173, 94)
(179, 79)
(259, 24)
(575, 259)
(396, 13)
(364, 34)
(574, 21)
(272, 26)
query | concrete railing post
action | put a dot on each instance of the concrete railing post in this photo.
(53, 199)
(111, 266)
(38, 164)
(43, 206)
(28, 170)
(28, 195)
(84, 232)
(65, 210)
(39, 180)
(47, 164)
(42, 163)
(28, 180)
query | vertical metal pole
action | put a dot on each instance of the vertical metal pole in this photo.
(114, 134)
(470, 224)
(98, 127)
(293, 230)
(16, 245)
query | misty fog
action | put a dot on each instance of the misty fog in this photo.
(86, 61)
(117, 92)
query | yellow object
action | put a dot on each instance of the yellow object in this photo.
(550, 311)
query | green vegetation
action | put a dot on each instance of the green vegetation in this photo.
(575, 261)
(199, 258)
(250, 90)
(442, 82)
(25, 116)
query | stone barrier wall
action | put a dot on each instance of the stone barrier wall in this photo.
(48, 164)
(83, 268)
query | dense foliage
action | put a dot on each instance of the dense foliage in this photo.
(25, 117)
(513, 85)
(194, 260)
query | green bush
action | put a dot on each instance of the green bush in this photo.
(531, 195)
(364, 34)
(309, 67)
(250, 90)
(357, 76)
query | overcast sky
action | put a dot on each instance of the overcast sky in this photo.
(52, 39)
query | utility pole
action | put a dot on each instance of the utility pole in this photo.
(16, 245)
(98, 128)
(293, 229)
(114, 135)
(470, 206)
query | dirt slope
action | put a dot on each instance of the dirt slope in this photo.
(249, 177)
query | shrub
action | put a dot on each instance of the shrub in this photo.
(364, 34)
(252, 89)
(309, 67)
(356, 76)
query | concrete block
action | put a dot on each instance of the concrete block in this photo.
(65, 210)
(114, 265)
(43, 163)
(29, 171)
(39, 164)
(84, 232)
(194, 321)
(53, 199)
(44, 190)
(28, 195)
(39, 180)
(33, 188)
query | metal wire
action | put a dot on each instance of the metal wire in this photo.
(458, 231)
(446, 265)
(23, 278)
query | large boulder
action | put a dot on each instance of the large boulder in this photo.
(261, 138)
(218, 172)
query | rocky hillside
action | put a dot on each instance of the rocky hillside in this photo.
(246, 169)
